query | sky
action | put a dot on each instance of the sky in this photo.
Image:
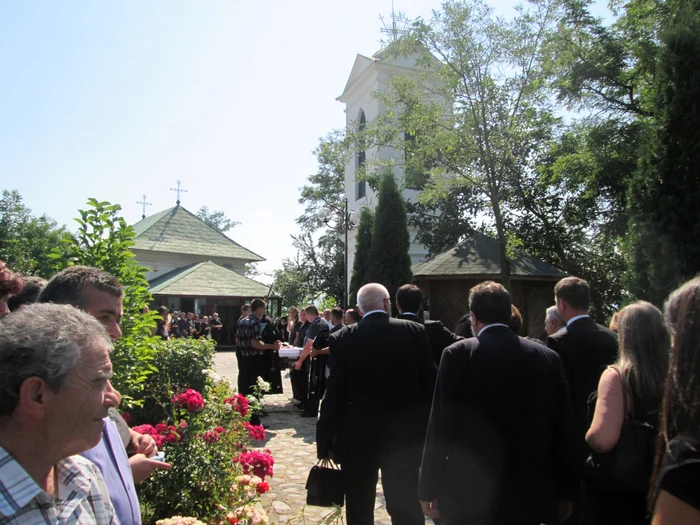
(116, 100)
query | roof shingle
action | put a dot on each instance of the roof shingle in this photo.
(206, 279)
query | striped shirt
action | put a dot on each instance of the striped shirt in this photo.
(82, 497)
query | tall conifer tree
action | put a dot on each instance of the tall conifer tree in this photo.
(363, 244)
(390, 263)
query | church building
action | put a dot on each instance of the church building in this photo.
(192, 267)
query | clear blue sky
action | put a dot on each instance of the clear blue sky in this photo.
(114, 100)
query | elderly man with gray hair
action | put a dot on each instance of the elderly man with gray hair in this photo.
(552, 322)
(376, 407)
(54, 394)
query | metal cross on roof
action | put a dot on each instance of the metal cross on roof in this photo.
(179, 191)
(143, 203)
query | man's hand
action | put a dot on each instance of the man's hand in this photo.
(566, 509)
(277, 345)
(297, 365)
(143, 444)
(430, 508)
(142, 466)
(315, 352)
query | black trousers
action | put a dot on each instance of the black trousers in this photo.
(252, 367)
(300, 381)
(400, 483)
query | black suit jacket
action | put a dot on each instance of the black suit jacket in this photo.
(440, 337)
(585, 349)
(499, 447)
(378, 392)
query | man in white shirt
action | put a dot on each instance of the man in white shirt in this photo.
(54, 394)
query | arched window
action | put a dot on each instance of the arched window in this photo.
(361, 187)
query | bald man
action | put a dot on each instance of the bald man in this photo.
(376, 407)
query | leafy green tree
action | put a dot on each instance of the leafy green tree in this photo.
(103, 240)
(664, 242)
(363, 246)
(289, 284)
(476, 115)
(216, 219)
(389, 262)
(26, 240)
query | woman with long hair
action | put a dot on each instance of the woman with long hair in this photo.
(631, 388)
(675, 494)
(293, 324)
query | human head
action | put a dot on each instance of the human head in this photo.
(92, 290)
(215, 315)
(489, 303)
(552, 321)
(516, 320)
(31, 288)
(409, 298)
(54, 376)
(336, 316)
(302, 316)
(373, 296)
(257, 308)
(327, 314)
(245, 310)
(614, 320)
(644, 346)
(293, 313)
(573, 296)
(10, 284)
(163, 311)
(311, 312)
(190, 316)
(351, 316)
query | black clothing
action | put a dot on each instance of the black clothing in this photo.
(585, 349)
(273, 374)
(161, 330)
(464, 326)
(440, 337)
(216, 333)
(619, 508)
(183, 328)
(293, 333)
(499, 447)
(680, 470)
(374, 413)
(300, 378)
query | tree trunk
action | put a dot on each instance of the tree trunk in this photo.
(502, 242)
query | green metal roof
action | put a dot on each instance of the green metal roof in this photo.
(176, 230)
(481, 255)
(206, 279)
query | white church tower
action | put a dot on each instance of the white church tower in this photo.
(369, 75)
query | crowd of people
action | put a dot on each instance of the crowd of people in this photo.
(187, 325)
(591, 425)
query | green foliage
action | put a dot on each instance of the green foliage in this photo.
(389, 262)
(664, 242)
(363, 246)
(216, 219)
(26, 240)
(103, 240)
(179, 364)
(289, 284)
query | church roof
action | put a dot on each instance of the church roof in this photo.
(480, 256)
(177, 230)
(206, 279)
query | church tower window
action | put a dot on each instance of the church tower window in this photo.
(361, 186)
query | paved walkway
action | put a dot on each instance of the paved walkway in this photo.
(292, 441)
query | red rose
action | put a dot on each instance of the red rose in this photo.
(263, 487)
(189, 399)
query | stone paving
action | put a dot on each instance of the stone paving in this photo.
(292, 441)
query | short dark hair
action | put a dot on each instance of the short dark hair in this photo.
(31, 288)
(575, 291)
(246, 306)
(311, 309)
(354, 314)
(516, 320)
(163, 310)
(337, 313)
(490, 302)
(410, 298)
(256, 304)
(68, 285)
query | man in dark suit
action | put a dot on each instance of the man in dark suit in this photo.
(409, 302)
(376, 407)
(499, 447)
(585, 349)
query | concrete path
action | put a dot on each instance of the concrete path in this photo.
(291, 439)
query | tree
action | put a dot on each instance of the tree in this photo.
(477, 116)
(363, 246)
(216, 219)
(26, 240)
(289, 284)
(103, 240)
(389, 261)
(664, 242)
